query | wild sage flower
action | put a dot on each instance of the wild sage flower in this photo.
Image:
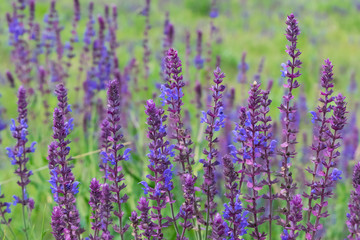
(95, 204)
(187, 211)
(233, 213)
(330, 174)
(64, 187)
(18, 155)
(146, 225)
(134, 219)
(214, 118)
(267, 153)
(220, 228)
(113, 157)
(58, 224)
(288, 110)
(254, 141)
(172, 94)
(106, 209)
(321, 137)
(160, 165)
(295, 217)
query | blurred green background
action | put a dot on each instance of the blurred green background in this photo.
(329, 29)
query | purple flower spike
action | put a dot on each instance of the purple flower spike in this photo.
(57, 223)
(253, 143)
(18, 153)
(64, 186)
(160, 165)
(146, 225)
(321, 120)
(172, 94)
(187, 211)
(106, 209)
(95, 204)
(220, 228)
(113, 157)
(134, 219)
(353, 217)
(214, 119)
(295, 217)
(267, 153)
(329, 178)
(288, 111)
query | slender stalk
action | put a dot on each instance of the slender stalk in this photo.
(173, 214)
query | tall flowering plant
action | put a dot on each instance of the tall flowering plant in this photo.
(172, 93)
(18, 156)
(288, 110)
(65, 216)
(113, 157)
(161, 167)
(214, 118)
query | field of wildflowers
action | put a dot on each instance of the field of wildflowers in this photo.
(162, 119)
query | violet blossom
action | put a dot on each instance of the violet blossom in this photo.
(267, 153)
(329, 174)
(160, 165)
(64, 187)
(233, 213)
(214, 118)
(18, 155)
(95, 204)
(113, 156)
(172, 94)
(288, 111)
(106, 209)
